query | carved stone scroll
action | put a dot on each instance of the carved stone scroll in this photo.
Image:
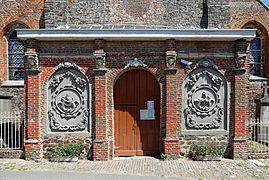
(205, 98)
(68, 99)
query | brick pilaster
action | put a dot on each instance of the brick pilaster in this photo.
(171, 142)
(241, 106)
(100, 143)
(32, 142)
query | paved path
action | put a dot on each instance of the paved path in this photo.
(182, 168)
(52, 175)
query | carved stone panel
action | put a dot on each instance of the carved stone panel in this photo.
(68, 101)
(204, 99)
(32, 60)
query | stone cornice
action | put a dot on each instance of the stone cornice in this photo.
(137, 34)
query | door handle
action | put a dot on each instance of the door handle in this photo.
(134, 126)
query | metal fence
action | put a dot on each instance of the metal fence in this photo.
(11, 130)
(258, 138)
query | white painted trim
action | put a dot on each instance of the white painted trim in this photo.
(138, 34)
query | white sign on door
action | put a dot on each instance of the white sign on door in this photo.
(150, 105)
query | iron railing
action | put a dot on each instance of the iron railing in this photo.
(258, 138)
(11, 130)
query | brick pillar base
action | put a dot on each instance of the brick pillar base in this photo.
(171, 148)
(100, 150)
(240, 149)
(33, 149)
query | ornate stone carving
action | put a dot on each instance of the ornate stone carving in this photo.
(32, 60)
(135, 63)
(100, 60)
(206, 63)
(68, 99)
(68, 63)
(171, 57)
(205, 98)
(239, 60)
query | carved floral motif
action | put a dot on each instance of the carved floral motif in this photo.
(57, 79)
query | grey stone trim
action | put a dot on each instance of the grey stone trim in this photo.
(205, 133)
(12, 83)
(203, 55)
(257, 78)
(138, 34)
(179, 55)
(66, 55)
(33, 141)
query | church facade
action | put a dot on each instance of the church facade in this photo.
(132, 78)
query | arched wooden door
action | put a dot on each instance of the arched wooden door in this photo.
(133, 135)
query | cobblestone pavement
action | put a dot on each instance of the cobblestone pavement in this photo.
(184, 168)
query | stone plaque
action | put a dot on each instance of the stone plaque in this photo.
(204, 99)
(68, 100)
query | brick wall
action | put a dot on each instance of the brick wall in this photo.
(117, 54)
(16, 14)
(253, 14)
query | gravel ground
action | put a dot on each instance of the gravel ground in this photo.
(183, 168)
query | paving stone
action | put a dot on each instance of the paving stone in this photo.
(225, 169)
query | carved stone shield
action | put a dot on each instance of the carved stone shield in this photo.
(68, 100)
(204, 98)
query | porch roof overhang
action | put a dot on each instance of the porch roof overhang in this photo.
(137, 34)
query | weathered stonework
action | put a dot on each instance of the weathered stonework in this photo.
(185, 14)
(171, 58)
(68, 100)
(186, 142)
(100, 60)
(50, 141)
(32, 60)
(205, 100)
(17, 100)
